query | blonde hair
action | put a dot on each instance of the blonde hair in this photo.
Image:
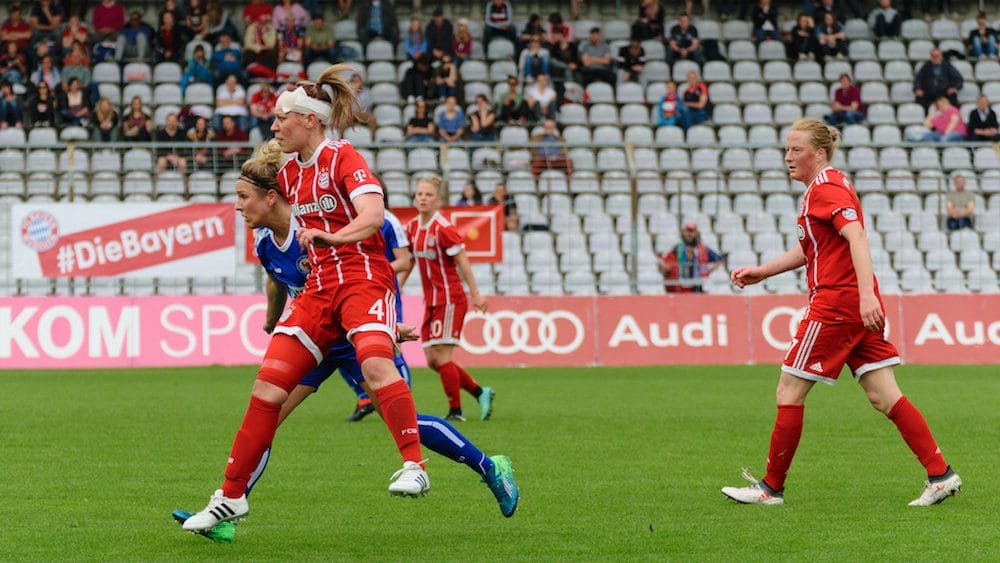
(261, 169)
(435, 181)
(821, 135)
(333, 88)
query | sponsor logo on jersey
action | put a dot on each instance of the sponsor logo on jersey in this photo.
(360, 175)
(324, 179)
(426, 254)
(800, 232)
(327, 204)
(40, 231)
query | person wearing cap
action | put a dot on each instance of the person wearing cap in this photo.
(440, 35)
(688, 260)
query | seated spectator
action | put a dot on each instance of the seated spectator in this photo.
(937, 78)
(171, 7)
(217, 23)
(107, 21)
(262, 104)
(982, 41)
(832, 39)
(847, 107)
(556, 23)
(74, 104)
(532, 28)
(363, 103)
(595, 59)
(231, 132)
(285, 8)
(501, 197)
(170, 40)
(46, 22)
(440, 36)
(945, 123)
(320, 44)
(168, 153)
(960, 205)
(377, 18)
(765, 22)
(104, 125)
(499, 22)
(134, 40)
(197, 69)
(75, 32)
(688, 261)
(418, 81)
(631, 61)
(201, 133)
(534, 59)
(231, 100)
(695, 107)
(260, 48)
(670, 109)
(46, 72)
(43, 107)
(541, 99)
(227, 59)
(885, 20)
(15, 28)
(462, 43)
(414, 41)
(77, 65)
(254, 10)
(446, 78)
(196, 18)
(137, 126)
(821, 7)
(983, 122)
(802, 42)
(420, 128)
(470, 195)
(551, 152)
(11, 114)
(482, 121)
(563, 59)
(649, 25)
(290, 41)
(451, 121)
(683, 42)
(513, 109)
(13, 64)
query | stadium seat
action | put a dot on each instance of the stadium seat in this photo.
(166, 72)
(106, 72)
(136, 72)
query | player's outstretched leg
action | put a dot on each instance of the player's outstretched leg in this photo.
(223, 532)
(758, 492)
(942, 482)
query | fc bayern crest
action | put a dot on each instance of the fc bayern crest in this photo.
(800, 232)
(431, 241)
(850, 214)
(40, 231)
(324, 179)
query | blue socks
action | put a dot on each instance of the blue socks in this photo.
(442, 438)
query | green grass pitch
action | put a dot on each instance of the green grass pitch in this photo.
(613, 464)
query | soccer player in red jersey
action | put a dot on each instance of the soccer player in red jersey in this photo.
(844, 322)
(440, 256)
(337, 203)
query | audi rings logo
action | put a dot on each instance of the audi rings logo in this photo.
(530, 332)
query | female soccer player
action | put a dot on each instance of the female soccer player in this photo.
(441, 256)
(844, 322)
(337, 203)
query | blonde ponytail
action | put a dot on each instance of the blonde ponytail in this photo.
(261, 169)
(821, 135)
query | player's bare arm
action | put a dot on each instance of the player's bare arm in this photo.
(371, 214)
(870, 308)
(465, 270)
(402, 260)
(277, 294)
(749, 275)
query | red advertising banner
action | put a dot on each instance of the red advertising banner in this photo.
(480, 225)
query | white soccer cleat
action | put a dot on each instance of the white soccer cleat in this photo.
(936, 492)
(757, 493)
(410, 481)
(219, 509)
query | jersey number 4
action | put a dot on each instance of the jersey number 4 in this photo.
(384, 309)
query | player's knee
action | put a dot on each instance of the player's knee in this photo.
(269, 392)
(878, 402)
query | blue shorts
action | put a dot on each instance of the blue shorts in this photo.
(342, 357)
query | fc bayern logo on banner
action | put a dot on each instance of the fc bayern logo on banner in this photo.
(40, 231)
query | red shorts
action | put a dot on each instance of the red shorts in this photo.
(320, 319)
(443, 324)
(819, 351)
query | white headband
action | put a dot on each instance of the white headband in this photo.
(299, 102)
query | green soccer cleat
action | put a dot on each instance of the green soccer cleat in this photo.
(501, 483)
(486, 403)
(223, 532)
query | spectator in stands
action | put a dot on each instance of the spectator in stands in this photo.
(541, 99)
(462, 43)
(595, 59)
(227, 59)
(75, 32)
(135, 39)
(695, 107)
(563, 59)
(418, 81)
(530, 29)
(13, 64)
(534, 59)
(440, 36)
(196, 18)
(260, 48)
(420, 128)
(945, 123)
(363, 103)
(802, 42)
(254, 10)
(230, 100)
(689, 260)
(669, 110)
(631, 61)
(137, 126)
(820, 7)
(446, 79)
(104, 125)
(231, 156)
(217, 23)
(499, 22)
(847, 107)
(107, 21)
(262, 104)
(171, 7)
(983, 122)
(285, 8)
(11, 114)
(74, 104)
(197, 69)
(683, 42)
(960, 205)
(170, 40)
(482, 121)
(885, 20)
(470, 195)
(43, 107)
(414, 41)
(938, 77)
(320, 44)
(15, 28)
(201, 133)
(982, 40)
(513, 109)
(550, 154)
(168, 154)
(290, 41)
(765, 22)
(501, 197)
(451, 121)
(649, 25)
(556, 22)
(46, 72)
(377, 18)
(832, 39)
(46, 22)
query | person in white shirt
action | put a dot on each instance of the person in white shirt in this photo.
(230, 99)
(541, 99)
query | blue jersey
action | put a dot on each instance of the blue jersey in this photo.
(395, 237)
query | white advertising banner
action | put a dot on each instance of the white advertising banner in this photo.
(143, 240)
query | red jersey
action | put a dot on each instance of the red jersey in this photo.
(435, 246)
(320, 191)
(829, 204)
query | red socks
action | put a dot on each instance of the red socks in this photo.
(784, 441)
(466, 381)
(253, 437)
(917, 435)
(451, 380)
(400, 415)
